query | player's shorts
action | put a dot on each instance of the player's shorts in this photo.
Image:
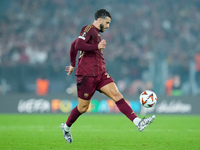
(87, 85)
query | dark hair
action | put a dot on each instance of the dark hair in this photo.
(102, 13)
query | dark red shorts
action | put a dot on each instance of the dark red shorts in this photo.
(87, 85)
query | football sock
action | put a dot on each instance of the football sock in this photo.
(66, 128)
(126, 109)
(136, 121)
(73, 116)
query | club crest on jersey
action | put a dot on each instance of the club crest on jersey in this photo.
(86, 95)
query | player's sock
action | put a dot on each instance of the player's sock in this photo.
(66, 128)
(136, 121)
(126, 109)
(73, 116)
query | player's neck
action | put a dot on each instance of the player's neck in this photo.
(96, 24)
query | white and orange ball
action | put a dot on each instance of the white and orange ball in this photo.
(148, 99)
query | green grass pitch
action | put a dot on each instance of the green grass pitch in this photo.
(98, 132)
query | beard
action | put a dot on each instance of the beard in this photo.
(101, 28)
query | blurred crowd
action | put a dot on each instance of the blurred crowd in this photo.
(143, 32)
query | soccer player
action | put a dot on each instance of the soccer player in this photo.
(91, 74)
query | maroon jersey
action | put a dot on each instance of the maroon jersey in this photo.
(91, 61)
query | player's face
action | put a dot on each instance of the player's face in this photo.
(105, 23)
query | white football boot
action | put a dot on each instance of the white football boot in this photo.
(67, 134)
(145, 122)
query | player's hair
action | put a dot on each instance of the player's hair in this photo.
(102, 13)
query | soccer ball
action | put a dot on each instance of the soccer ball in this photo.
(148, 98)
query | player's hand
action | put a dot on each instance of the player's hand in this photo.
(102, 44)
(69, 69)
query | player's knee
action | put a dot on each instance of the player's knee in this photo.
(83, 109)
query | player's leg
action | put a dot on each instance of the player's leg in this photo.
(111, 91)
(85, 90)
(109, 88)
(75, 113)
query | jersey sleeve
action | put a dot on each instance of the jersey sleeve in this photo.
(73, 54)
(83, 38)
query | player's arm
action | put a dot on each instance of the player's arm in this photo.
(82, 44)
(73, 54)
(83, 38)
